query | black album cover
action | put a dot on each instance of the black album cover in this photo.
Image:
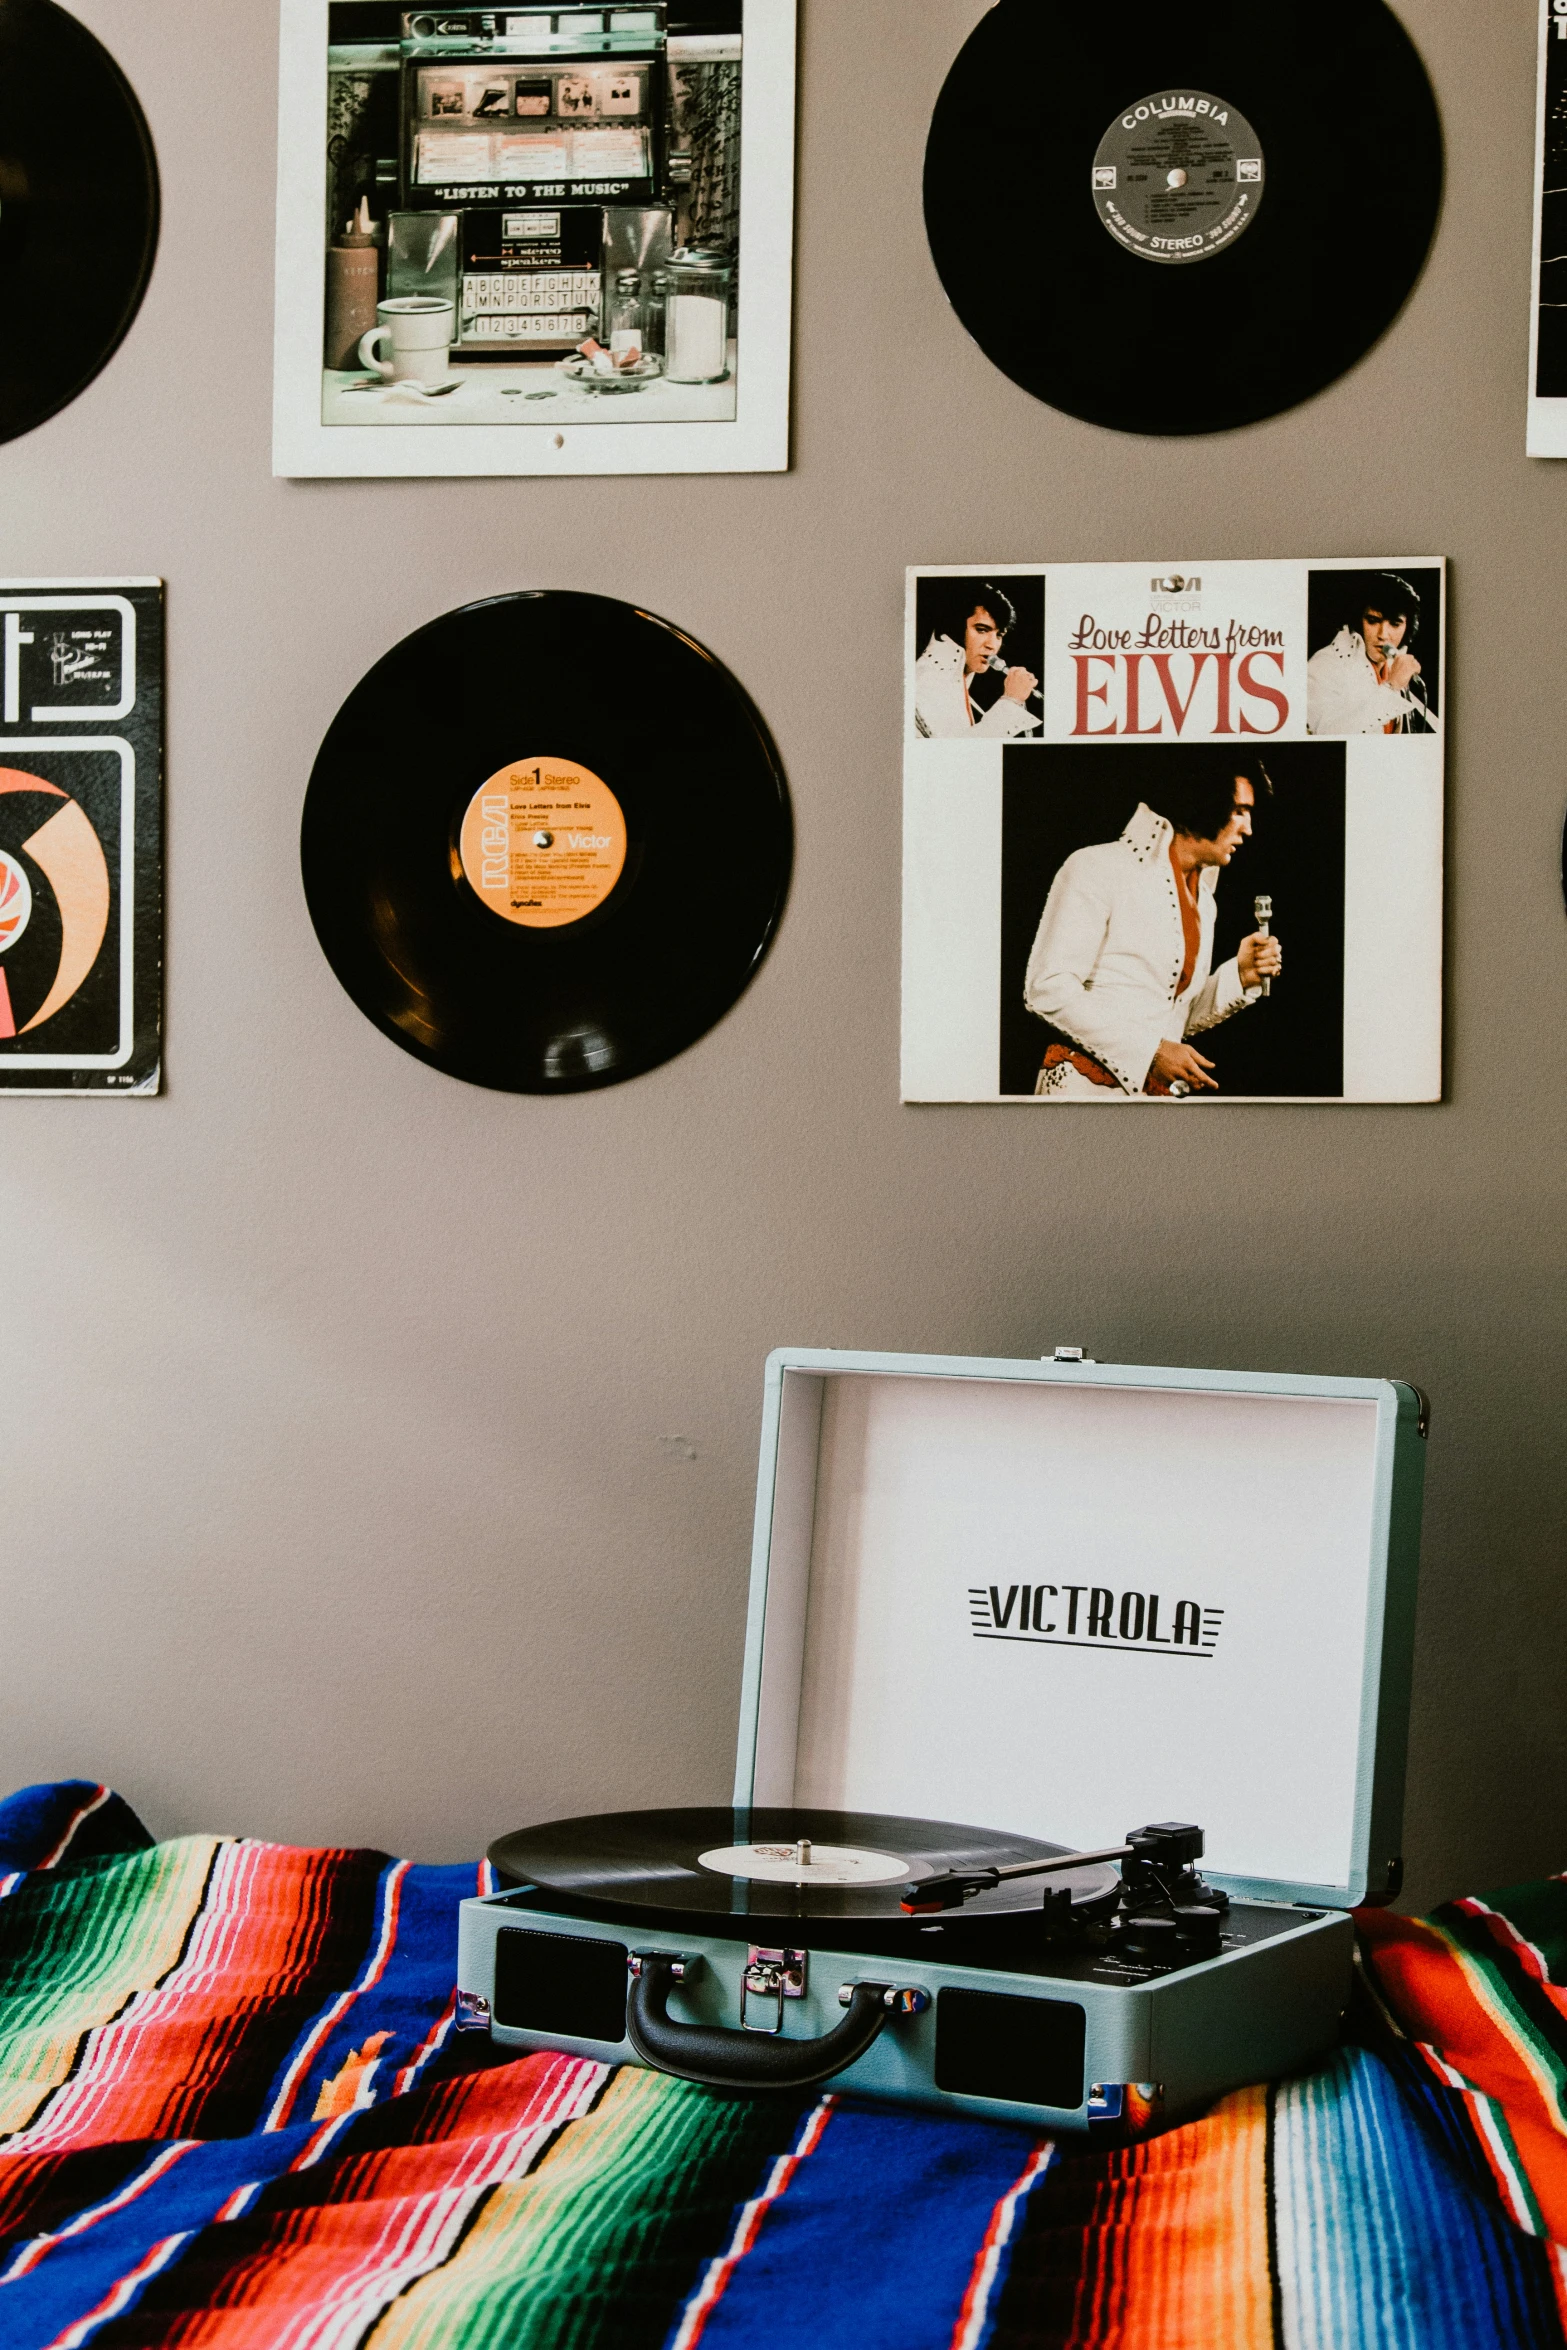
(1064, 798)
(81, 802)
(1548, 385)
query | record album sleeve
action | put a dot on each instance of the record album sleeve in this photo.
(1174, 833)
(1548, 336)
(81, 871)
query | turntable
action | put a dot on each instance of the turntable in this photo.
(1060, 1595)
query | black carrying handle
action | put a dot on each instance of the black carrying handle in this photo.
(720, 2058)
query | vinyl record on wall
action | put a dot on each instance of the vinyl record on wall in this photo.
(78, 210)
(547, 843)
(1179, 216)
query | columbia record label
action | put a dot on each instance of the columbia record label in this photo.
(1170, 198)
(1179, 176)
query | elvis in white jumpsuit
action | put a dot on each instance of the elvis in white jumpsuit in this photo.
(969, 620)
(1367, 680)
(1122, 966)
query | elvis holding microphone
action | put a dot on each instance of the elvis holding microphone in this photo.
(963, 625)
(1122, 965)
(1369, 679)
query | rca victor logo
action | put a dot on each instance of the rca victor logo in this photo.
(1054, 1615)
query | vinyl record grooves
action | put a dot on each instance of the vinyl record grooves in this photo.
(683, 1863)
(547, 843)
(78, 210)
(1153, 270)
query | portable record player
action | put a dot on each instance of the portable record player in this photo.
(1063, 1596)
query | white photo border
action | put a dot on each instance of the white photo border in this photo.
(756, 441)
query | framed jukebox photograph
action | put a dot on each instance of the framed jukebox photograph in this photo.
(534, 240)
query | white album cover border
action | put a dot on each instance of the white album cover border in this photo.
(741, 426)
(1175, 834)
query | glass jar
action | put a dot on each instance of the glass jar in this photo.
(655, 314)
(625, 318)
(696, 331)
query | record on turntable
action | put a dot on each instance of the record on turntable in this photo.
(1182, 218)
(793, 1864)
(547, 843)
(78, 210)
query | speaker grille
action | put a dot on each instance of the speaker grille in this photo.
(1030, 2051)
(561, 1984)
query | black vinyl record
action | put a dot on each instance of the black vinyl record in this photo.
(547, 843)
(700, 1864)
(78, 210)
(1181, 216)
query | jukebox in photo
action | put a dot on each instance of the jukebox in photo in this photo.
(530, 210)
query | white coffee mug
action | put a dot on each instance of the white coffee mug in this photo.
(420, 329)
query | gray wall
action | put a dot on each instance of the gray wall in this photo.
(380, 1452)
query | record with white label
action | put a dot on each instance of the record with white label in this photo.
(547, 843)
(780, 1862)
(1182, 216)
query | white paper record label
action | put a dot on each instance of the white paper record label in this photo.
(1179, 176)
(788, 1864)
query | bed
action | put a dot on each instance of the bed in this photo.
(235, 2112)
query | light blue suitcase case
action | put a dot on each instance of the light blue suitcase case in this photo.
(1059, 1599)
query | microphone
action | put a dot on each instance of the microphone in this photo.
(1262, 915)
(1004, 669)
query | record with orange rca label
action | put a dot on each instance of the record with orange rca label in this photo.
(547, 843)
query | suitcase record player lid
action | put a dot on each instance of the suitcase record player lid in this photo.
(1064, 1597)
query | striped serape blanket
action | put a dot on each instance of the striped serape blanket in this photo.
(234, 2114)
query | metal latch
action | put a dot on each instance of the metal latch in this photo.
(896, 2000)
(771, 1974)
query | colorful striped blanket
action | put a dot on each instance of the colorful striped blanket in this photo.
(234, 2114)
